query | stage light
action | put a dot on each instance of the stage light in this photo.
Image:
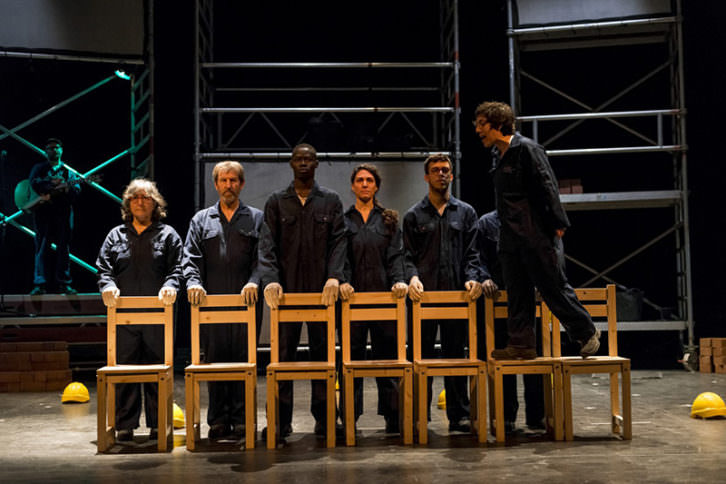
(122, 75)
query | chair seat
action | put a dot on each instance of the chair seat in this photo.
(536, 361)
(301, 366)
(220, 367)
(122, 369)
(373, 364)
(445, 362)
(594, 360)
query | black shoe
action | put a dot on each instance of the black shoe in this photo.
(321, 431)
(392, 426)
(463, 425)
(238, 431)
(285, 432)
(537, 425)
(125, 435)
(218, 431)
(509, 427)
(154, 434)
(38, 290)
(68, 290)
(514, 353)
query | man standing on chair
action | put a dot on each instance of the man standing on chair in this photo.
(58, 188)
(220, 257)
(533, 223)
(439, 236)
(303, 249)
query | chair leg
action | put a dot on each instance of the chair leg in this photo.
(567, 402)
(557, 401)
(481, 405)
(250, 384)
(499, 405)
(189, 383)
(272, 399)
(422, 414)
(163, 407)
(407, 406)
(615, 403)
(349, 406)
(330, 401)
(627, 408)
(491, 401)
(102, 436)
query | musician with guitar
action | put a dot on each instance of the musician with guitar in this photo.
(58, 188)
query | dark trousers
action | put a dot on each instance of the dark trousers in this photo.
(289, 340)
(52, 227)
(383, 347)
(533, 384)
(140, 344)
(541, 267)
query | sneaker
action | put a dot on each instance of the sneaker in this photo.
(154, 434)
(592, 345)
(514, 353)
(218, 431)
(38, 290)
(124, 435)
(463, 425)
(68, 290)
(392, 426)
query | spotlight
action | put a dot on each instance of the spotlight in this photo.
(122, 75)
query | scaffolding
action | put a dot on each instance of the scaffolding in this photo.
(231, 121)
(608, 33)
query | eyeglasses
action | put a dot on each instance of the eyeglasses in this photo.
(444, 170)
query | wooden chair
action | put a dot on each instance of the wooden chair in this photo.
(222, 309)
(548, 366)
(296, 308)
(600, 303)
(142, 310)
(447, 305)
(370, 307)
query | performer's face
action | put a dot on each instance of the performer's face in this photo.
(228, 186)
(142, 206)
(364, 186)
(484, 130)
(304, 162)
(53, 151)
(439, 175)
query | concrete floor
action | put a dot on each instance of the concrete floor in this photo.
(45, 441)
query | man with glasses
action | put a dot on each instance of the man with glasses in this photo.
(533, 223)
(439, 237)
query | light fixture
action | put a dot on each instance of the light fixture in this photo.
(122, 75)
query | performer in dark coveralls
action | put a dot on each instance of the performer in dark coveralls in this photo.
(374, 263)
(220, 257)
(302, 249)
(439, 236)
(487, 238)
(59, 187)
(142, 257)
(533, 223)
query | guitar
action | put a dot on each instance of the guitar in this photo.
(27, 199)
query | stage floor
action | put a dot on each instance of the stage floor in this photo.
(44, 440)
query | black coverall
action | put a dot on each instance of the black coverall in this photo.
(487, 238)
(139, 265)
(374, 263)
(53, 220)
(221, 257)
(441, 251)
(531, 254)
(301, 247)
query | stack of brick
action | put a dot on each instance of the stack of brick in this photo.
(713, 355)
(34, 367)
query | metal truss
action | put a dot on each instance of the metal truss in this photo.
(668, 123)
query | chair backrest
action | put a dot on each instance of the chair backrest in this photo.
(224, 309)
(366, 307)
(444, 305)
(600, 303)
(131, 310)
(298, 308)
(496, 309)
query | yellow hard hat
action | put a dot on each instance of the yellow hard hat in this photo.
(707, 405)
(178, 417)
(442, 399)
(75, 392)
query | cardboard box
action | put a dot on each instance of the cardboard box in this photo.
(705, 365)
(719, 360)
(718, 342)
(706, 351)
(719, 368)
(705, 343)
(718, 350)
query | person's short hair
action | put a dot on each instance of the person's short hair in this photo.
(148, 186)
(229, 165)
(54, 140)
(433, 158)
(499, 114)
(370, 168)
(308, 146)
